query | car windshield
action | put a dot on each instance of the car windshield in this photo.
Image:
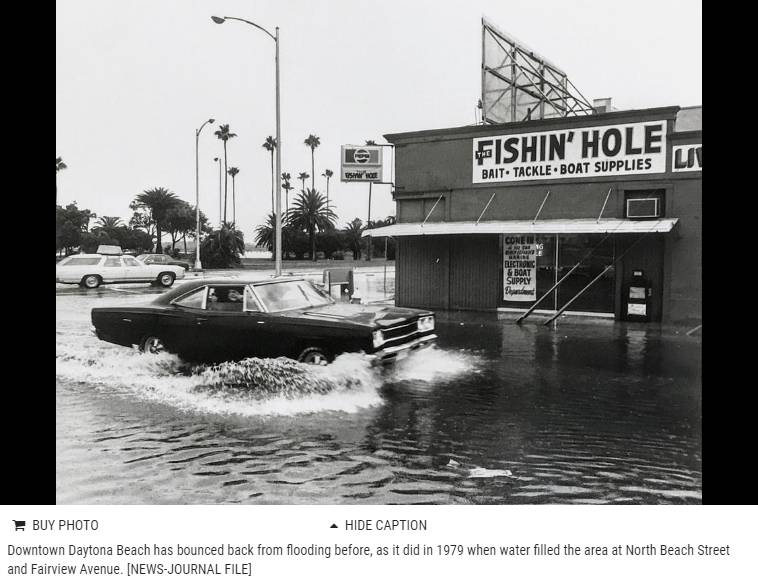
(141, 257)
(287, 296)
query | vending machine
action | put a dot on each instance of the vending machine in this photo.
(637, 293)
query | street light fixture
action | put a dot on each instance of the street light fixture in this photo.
(278, 212)
(198, 264)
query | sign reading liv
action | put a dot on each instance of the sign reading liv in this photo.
(597, 151)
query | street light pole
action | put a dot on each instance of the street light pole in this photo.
(278, 206)
(278, 261)
(220, 194)
(198, 264)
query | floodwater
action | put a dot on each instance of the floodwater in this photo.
(585, 412)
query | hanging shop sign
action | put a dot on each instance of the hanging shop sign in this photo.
(361, 164)
(597, 151)
(687, 157)
(520, 267)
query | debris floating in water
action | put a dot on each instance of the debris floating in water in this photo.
(479, 471)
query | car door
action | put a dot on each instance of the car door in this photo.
(135, 270)
(226, 329)
(179, 326)
(112, 270)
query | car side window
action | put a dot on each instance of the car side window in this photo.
(130, 262)
(251, 303)
(193, 300)
(225, 298)
(113, 262)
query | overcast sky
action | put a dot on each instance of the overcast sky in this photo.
(135, 78)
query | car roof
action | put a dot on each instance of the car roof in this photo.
(189, 285)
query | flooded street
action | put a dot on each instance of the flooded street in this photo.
(586, 412)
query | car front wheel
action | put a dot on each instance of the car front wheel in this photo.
(166, 279)
(152, 344)
(91, 281)
(314, 356)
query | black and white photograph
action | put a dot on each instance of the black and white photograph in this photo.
(385, 253)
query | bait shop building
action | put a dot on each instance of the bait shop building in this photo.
(597, 215)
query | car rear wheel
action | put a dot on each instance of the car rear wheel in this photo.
(91, 281)
(166, 279)
(152, 344)
(314, 356)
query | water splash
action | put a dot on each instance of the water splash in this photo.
(434, 364)
(250, 387)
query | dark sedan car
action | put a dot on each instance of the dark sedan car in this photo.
(163, 259)
(221, 320)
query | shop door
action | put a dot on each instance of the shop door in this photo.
(645, 256)
(422, 272)
(475, 278)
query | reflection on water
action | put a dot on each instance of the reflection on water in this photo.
(497, 413)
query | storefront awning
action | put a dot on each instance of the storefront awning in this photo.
(547, 226)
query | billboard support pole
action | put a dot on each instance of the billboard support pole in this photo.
(484, 102)
(368, 222)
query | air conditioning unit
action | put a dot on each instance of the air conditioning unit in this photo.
(643, 208)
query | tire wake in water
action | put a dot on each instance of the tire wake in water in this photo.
(249, 387)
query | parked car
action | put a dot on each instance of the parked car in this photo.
(162, 259)
(222, 320)
(92, 270)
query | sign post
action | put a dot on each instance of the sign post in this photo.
(362, 164)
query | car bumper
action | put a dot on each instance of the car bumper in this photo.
(397, 352)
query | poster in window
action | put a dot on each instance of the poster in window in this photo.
(519, 268)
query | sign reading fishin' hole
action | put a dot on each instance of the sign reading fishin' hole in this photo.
(598, 151)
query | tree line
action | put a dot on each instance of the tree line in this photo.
(308, 226)
(156, 212)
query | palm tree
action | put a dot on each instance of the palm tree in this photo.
(222, 248)
(309, 213)
(270, 145)
(108, 224)
(328, 174)
(59, 166)
(265, 236)
(370, 143)
(287, 186)
(302, 177)
(157, 201)
(313, 141)
(265, 233)
(224, 134)
(353, 231)
(109, 221)
(233, 173)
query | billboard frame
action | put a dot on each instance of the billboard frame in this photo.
(543, 82)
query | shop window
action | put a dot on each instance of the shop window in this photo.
(556, 256)
(575, 248)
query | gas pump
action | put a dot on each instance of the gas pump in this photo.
(342, 278)
(636, 297)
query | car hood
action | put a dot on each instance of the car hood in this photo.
(370, 315)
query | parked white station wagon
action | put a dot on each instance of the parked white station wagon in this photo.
(92, 270)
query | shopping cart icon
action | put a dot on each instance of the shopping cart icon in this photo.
(20, 524)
